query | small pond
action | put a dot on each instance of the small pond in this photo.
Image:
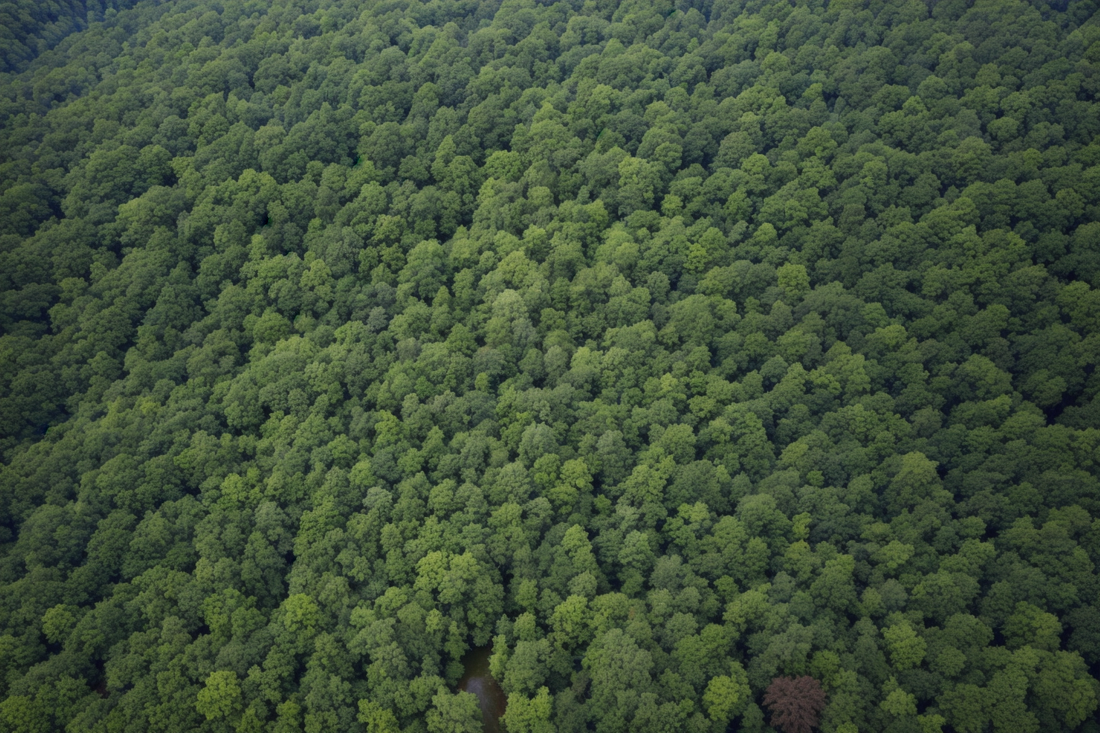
(477, 680)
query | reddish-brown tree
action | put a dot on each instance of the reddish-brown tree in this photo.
(795, 703)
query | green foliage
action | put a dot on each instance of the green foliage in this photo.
(457, 713)
(726, 696)
(670, 348)
(529, 715)
(220, 698)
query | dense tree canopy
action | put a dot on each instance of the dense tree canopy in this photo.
(672, 347)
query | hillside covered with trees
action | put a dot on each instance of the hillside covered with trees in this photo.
(723, 364)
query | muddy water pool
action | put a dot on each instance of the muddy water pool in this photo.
(477, 681)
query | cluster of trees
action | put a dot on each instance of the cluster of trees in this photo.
(28, 27)
(670, 347)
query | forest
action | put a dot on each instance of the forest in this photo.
(705, 365)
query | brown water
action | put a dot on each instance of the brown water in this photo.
(477, 680)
